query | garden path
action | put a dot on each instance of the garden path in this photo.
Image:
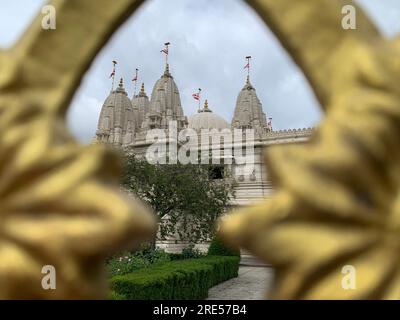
(251, 284)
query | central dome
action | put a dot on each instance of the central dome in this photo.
(206, 119)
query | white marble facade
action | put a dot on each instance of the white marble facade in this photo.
(124, 123)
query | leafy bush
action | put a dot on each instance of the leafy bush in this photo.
(219, 248)
(130, 262)
(176, 256)
(191, 253)
(185, 279)
(156, 255)
(115, 296)
(126, 264)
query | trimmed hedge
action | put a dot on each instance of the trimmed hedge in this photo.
(219, 248)
(175, 280)
(115, 296)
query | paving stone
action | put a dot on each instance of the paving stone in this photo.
(251, 284)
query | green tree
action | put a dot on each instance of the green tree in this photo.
(186, 198)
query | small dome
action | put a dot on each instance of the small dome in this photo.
(206, 119)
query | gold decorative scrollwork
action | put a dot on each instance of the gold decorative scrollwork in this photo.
(59, 202)
(337, 203)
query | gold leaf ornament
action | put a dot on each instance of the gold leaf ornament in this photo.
(337, 203)
(60, 203)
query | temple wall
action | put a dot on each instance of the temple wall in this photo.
(252, 185)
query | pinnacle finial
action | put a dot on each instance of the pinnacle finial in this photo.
(120, 86)
(206, 109)
(248, 85)
(166, 69)
(167, 73)
(142, 88)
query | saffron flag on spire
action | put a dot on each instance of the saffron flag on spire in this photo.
(136, 76)
(247, 66)
(196, 95)
(165, 50)
(113, 71)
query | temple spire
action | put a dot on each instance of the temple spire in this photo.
(248, 110)
(248, 85)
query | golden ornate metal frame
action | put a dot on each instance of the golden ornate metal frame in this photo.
(337, 202)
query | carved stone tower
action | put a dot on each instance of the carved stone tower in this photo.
(165, 104)
(117, 118)
(248, 112)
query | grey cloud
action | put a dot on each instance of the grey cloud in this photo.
(209, 42)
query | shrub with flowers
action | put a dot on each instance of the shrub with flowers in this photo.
(128, 262)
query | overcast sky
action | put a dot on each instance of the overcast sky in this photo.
(209, 42)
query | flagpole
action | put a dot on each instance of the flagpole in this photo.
(199, 99)
(248, 66)
(113, 75)
(166, 51)
(197, 96)
(135, 80)
(134, 91)
(113, 82)
(166, 56)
